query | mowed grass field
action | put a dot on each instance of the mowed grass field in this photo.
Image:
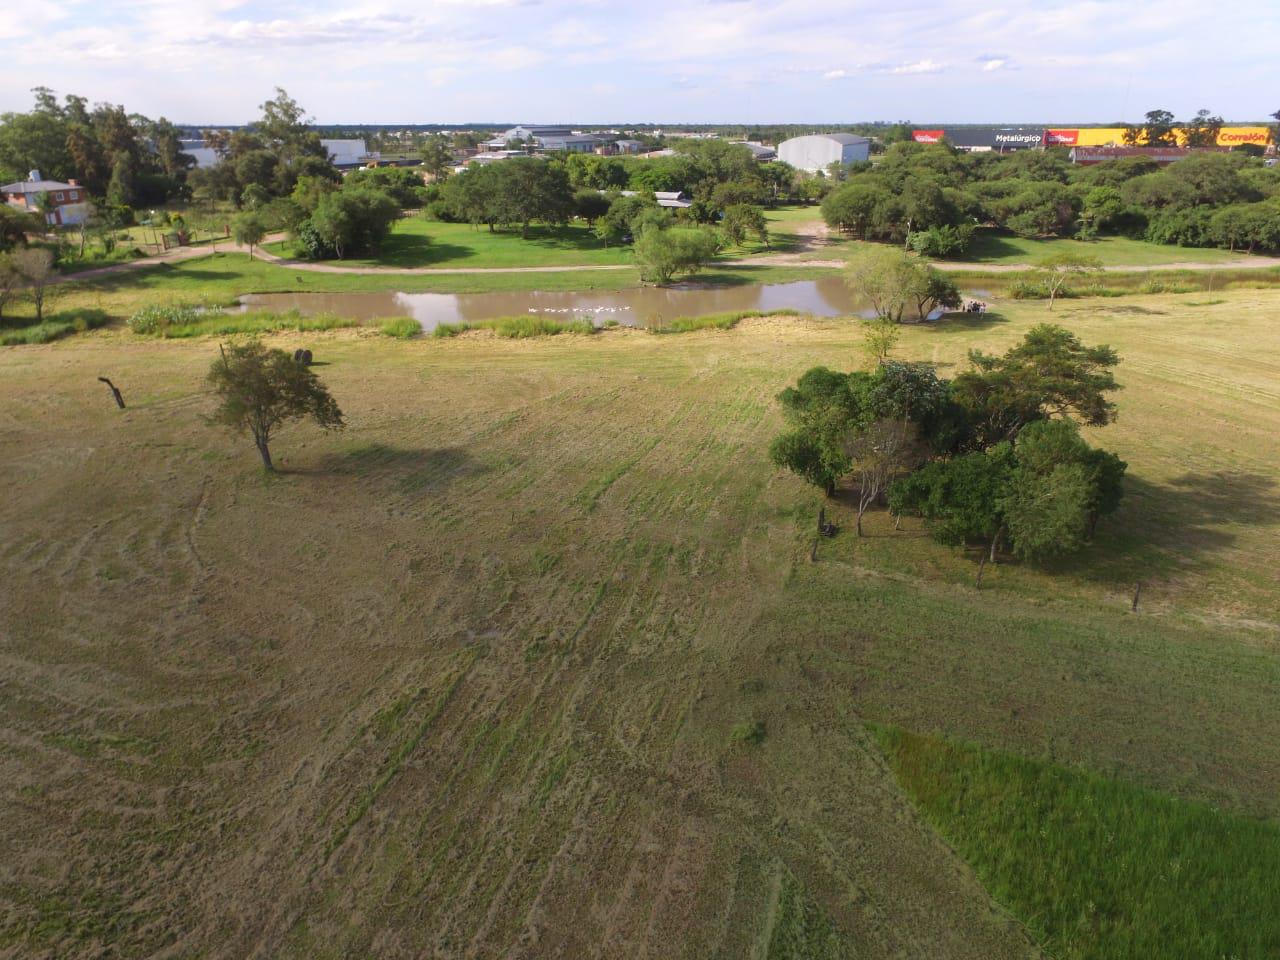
(531, 661)
(418, 242)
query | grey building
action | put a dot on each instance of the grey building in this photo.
(818, 151)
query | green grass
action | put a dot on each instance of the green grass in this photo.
(583, 537)
(1095, 868)
(54, 327)
(264, 321)
(715, 321)
(992, 247)
(517, 328)
(402, 328)
(418, 242)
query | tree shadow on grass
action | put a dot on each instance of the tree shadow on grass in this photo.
(1164, 528)
(960, 321)
(405, 470)
(413, 250)
(1128, 308)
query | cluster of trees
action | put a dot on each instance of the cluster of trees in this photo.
(993, 456)
(123, 159)
(511, 193)
(932, 197)
(265, 160)
(892, 280)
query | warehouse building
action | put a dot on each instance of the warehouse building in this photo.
(818, 151)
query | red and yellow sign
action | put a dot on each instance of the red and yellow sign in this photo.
(1103, 136)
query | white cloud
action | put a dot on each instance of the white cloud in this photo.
(920, 66)
(349, 60)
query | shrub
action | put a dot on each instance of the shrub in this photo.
(56, 326)
(517, 328)
(159, 317)
(402, 328)
(942, 242)
(750, 732)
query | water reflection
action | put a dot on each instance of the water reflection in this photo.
(638, 306)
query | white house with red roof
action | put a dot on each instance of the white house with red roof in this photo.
(68, 203)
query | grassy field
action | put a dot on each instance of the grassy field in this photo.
(418, 242)
(1099, 868)
(530, 660)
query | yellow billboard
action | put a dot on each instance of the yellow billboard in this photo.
(1114, 136)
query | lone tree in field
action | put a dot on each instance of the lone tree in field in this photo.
(1054, 271)
(879, 337)
(890, 280)
(37, 273)
(248, 230)
(261, 389)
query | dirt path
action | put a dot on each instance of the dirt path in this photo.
(176, 255)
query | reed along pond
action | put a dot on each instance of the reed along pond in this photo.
(636, 307)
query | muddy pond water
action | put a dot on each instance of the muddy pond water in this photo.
(636, 307)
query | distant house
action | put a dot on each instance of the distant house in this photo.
(628, 146)
(1087, 156)
(69, 204)
(818, 151)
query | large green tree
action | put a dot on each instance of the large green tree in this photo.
(260, 389)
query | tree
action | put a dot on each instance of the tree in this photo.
(1202, 130)
(1055, 270)
(14, 227)
(878, 452)
(741, 220)
(352, 220)
(590, 204)
(886, 278)
(248, 229)
(959, 499)
(855, 207)
(1050, 495)
(879, 336)
(622, 217)
(1156, 132)
(662, 254)
(1050, 373)
(820, 410)
(36, 272)
(437, 158)
(259, 390)
(937, 292)
(10, 282)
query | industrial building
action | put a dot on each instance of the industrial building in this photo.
(818, 151)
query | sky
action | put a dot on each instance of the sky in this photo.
(661, 61)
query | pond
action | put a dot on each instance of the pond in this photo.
(635, 307)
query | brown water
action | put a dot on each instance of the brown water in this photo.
(636, 307)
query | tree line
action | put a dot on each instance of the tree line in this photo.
(933, 197)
